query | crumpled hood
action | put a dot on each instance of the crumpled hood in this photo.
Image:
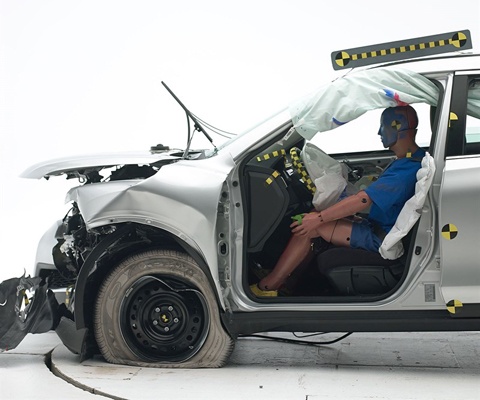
(91, 161)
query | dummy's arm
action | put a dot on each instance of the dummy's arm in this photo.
(346, 207)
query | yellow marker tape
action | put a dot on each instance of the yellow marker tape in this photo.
(271, 178)
(68, 294)
(25, 298)
(274, 154)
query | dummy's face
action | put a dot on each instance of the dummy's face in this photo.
(395, 123)
(388, 134)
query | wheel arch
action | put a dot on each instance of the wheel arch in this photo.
(107, 254)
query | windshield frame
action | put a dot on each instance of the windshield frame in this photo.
(239, 143)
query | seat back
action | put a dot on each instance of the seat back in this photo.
(392, 246)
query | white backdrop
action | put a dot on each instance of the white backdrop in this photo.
(81, 77)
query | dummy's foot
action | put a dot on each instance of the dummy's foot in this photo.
(263, 293)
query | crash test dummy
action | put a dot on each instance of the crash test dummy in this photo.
(385, 197)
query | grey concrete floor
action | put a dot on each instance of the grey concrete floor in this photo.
(433, 366)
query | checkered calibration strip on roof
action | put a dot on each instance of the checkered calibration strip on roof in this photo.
(401, 50)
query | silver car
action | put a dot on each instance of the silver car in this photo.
(159, 248)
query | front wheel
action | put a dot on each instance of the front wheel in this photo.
(158, 309)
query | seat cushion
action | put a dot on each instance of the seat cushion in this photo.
(359, 272)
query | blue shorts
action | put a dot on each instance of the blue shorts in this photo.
(363, 236)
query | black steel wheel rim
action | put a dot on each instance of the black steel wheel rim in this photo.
(163, 319)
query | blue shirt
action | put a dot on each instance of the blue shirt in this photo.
(392, 189)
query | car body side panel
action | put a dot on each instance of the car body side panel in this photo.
(459, 229)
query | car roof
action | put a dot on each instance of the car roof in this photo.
(449, 62)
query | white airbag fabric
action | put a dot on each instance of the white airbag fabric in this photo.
(392, 247)
(327, 174)
(351, 96)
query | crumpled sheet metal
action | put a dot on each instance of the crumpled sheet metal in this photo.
(26, 306)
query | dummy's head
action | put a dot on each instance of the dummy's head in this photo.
(395, 122)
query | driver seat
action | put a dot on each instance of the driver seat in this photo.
(358, 272)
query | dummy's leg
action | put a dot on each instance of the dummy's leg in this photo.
(298, 249)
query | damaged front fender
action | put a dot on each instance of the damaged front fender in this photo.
(26, 306)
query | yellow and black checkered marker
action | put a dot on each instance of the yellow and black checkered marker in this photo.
(402, 50)
(453, 118)
(454, 306)
(299, 167)
(449, 231)
(296, 162)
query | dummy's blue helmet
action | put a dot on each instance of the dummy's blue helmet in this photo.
(395, 120)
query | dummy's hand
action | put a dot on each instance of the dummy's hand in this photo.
(308, 225)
